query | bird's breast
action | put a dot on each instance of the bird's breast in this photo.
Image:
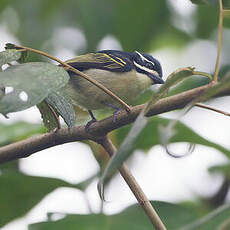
(126, 85)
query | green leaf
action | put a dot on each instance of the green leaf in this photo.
(18, 131)
(208, 2)
(223, 169)
(2, 90)
(63, 107)
(149, 137)
(189, 83)
(19, 193)
(125, 22)
(30, 83)
(226, 3)
(173, 79)
(24, 56)
(222, 86)
(9, 56)
(213, 221)
(132, 218)
(206, 21)
(49, 116)
(24, 53)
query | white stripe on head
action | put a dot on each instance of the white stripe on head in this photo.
(146, 69)
(143, 58)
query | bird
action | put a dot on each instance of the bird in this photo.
(126, 74)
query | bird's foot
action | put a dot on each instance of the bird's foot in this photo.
(89, 123)
(116, 112)
(93, 119)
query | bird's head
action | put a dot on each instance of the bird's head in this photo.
(146, 64)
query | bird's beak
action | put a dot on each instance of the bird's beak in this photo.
(156, 78)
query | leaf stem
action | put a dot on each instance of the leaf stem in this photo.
(203, 74)
(134, 186)
(88, 78)
(220, 40)
(212, 109)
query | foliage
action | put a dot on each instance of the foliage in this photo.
(137, 25)
(132, 218)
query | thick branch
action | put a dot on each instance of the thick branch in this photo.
(98, 129)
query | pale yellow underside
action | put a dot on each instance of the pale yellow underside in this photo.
(125, 85)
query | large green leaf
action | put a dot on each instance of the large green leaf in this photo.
(19, 193)
(29, 84)
(18, 131)
(9, 56)
(132, 218)
(217, 219)
(150, 136)
(207, 21)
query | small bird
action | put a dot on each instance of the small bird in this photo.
(125, 74)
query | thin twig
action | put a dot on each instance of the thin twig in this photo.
(220, 40)
(212, 109)
(93, 81)
(134, 186)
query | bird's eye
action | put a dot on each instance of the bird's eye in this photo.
(149, 65)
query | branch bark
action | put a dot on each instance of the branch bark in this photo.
(98, 129)
(134, 186)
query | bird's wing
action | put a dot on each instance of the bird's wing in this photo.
(103, 61)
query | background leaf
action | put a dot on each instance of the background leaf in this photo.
(211, 2)
(132, 218)
(150, 136)
(19, 192)
(212, 221)
(10, 133)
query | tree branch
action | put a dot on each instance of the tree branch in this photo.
(98, 129)
(134, 186)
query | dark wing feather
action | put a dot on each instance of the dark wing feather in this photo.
(100, 60)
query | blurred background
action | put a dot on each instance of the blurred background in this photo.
(177, 33)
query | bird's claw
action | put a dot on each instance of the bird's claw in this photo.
(88, 124)
(115, 114)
